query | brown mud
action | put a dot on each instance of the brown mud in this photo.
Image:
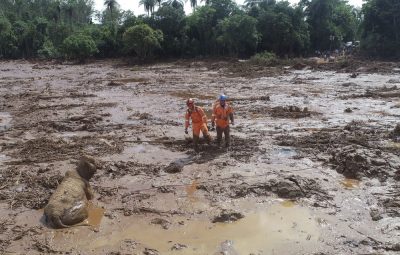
(313, 166)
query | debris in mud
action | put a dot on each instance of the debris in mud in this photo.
(355, 162)
(27, 187)
(396, 132)
(165, 224)
(47, 149)
(178, 247)
(174, 167)
(349, 84)
(353, 151)
(393, 81)
(385, 92)
(139, 116)
(114, 83)
(149, 251)
(290, 112)
(228, 216)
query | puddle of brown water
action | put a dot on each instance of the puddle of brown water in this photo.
(191, 189)
(350, 183)
(287, 203)
(279, 230)
(95, 215)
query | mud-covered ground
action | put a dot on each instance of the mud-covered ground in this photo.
(314, 165)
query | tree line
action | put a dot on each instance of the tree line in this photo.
(72, 29)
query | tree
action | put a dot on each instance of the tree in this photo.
(171, 21)
(381, 28)
(238, 35)
(143, 40)
(7, 39)
(111, 5)
(148, 5)
(329, 20)
(79, 46)
(201, 34)
(283, 28)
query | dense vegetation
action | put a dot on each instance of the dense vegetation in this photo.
(72, 29)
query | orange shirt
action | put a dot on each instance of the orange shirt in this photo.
(221, 115)
(197, 115)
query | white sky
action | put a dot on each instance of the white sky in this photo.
(133, 5)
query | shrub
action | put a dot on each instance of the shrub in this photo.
(79, 46)
(264, 58)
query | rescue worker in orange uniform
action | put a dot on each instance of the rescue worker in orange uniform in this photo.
(199, 122)
(222, 112)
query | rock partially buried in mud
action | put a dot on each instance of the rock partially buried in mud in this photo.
(178, 247)
(149, 251)
(290, 112)
(174, 167)
(396, 131)
(228, 216)
(287, 189)
(162, 222)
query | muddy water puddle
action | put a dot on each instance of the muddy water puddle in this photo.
(281, 228)
(350, 183)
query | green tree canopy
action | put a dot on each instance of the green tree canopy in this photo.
(79, 46)
(381, 28)
(143, 40)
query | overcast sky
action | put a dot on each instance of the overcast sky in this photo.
(133, 5)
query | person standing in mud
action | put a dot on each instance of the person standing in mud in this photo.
(199, 122)
(222, 112)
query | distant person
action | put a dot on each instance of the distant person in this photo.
(222, 113)
(199, 122)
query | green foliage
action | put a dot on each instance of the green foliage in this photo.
(283, 28)
(48, 51)
(238, 35)
(201, 34)
(143, 40)
(7, 39)
(79, 46)
(381, 28)
(172, 22)
(264, 58)
(46, 28)
(331, 22)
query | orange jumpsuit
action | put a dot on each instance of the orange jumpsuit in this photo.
(199, 121)
(221, 115)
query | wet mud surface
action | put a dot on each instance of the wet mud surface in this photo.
(313, 167)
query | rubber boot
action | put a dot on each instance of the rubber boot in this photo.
(196, 142)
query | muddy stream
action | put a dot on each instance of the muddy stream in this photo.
(313, 167)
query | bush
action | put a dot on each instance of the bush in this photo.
(264, 58)
(48, 50)
(143, 40)
(79, 46)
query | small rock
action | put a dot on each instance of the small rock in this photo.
(375, 214)
(227, 216)
(348, 110)
(162, 222)
(178, 246)
(149, 251)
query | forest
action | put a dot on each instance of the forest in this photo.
(72, 29)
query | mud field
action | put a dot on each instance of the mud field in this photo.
(314, 165)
